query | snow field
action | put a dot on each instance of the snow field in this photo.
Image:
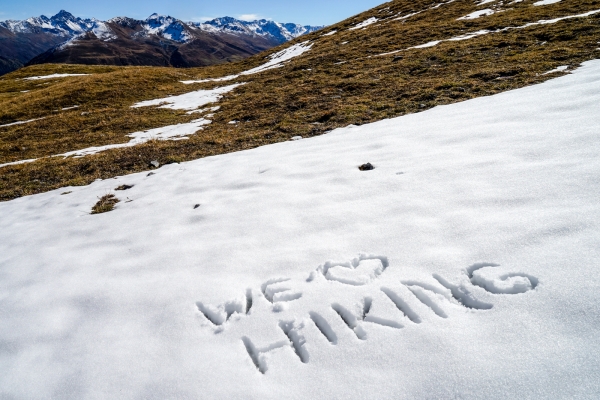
(461, 266)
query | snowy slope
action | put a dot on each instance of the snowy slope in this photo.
(465, 265)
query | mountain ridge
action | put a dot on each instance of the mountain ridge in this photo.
(66, 38)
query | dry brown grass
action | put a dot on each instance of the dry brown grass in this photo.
(105, 203)
(311, 95)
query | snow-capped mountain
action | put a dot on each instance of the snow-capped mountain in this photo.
(66, 25)
(61, 24)
(45, 39)
(167, 27)
(279, 31)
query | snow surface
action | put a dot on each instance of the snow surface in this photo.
(35, 78)
(191, 100)
(467, 265)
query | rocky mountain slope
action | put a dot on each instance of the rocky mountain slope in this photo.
(399, 58)
(158, 40)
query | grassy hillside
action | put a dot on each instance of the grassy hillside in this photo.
(346, 78)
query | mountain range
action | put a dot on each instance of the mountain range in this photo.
(158, 40)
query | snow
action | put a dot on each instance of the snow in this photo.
(462, 266)
(20, 122)
(546, 2)
(424, 45)
(486, 1)
(171, 132)
(329, 33)
(407, 16)
(471, 35)
(191, 100)
(561, 68)
(103, 32)
(364, 24)
(225, 78)
(477, 14)
(201, 110)
(276, 61)
(18, 162)
(281, 32)
(34, 78)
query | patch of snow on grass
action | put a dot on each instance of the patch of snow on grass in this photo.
(21, 122)
(477, 14)
(425, 45)
(189, 101)
(171, 132)
(364, 24)
(18, 162)
(225, 78)
(211, 109)
(329, 33)
(407, 16)
(471, 35)
(546, 2)
(35, 78)
(277, 60)
(557, 69)
(280, 57)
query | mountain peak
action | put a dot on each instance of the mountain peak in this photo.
(63, 15)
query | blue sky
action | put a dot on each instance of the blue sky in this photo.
(306, 12)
